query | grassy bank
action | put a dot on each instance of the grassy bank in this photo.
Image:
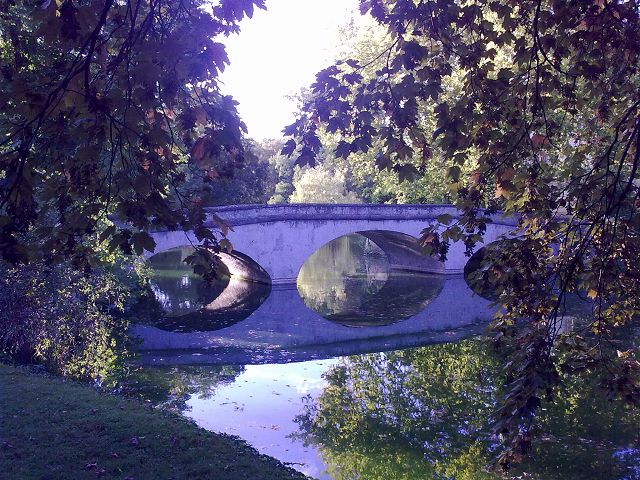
(56, 429)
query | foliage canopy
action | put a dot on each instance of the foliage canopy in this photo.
(545, 127)
(107, 107)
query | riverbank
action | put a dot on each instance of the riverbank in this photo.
(51, 428)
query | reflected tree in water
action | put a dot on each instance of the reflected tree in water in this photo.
(335, 276)
(171, 387)
(176, 288)
(425, 414)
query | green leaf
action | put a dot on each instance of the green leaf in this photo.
(143, 241)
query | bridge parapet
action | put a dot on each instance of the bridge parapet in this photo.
(257, 213)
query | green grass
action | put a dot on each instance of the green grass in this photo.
(51, 428)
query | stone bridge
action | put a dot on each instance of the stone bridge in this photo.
(272, 242)
(280, 238)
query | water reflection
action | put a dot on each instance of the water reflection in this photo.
(172, 387)
(349, 281)
(423, 414)
(413, 413)
(186, 303)
(418, 413)
(260, 407)
(176, 288)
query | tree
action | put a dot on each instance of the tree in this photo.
(105, 108)
(321, 185)
(283, 167)
(70, 322)
(368, 174)
(549, 115)
(251, 181)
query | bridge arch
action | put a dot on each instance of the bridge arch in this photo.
(185, 302)
(403, 252)
(369, 278)
(240, 265)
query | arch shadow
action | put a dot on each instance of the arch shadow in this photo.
(403, 251)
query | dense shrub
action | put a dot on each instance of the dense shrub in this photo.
(68, 321)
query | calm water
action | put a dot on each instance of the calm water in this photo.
(385, 412)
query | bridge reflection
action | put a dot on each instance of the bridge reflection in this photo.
(283, 329)
(363, 292)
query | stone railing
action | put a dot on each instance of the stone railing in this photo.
(252, 214)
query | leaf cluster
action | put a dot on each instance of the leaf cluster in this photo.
(107, 107)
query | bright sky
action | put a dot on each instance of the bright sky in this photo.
(278, 52)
